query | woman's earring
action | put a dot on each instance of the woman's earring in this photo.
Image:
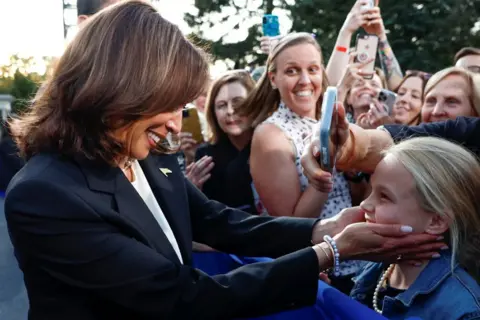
(274, 87)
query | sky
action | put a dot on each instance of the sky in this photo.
(35, 27)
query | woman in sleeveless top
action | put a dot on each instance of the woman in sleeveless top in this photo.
(283, 109)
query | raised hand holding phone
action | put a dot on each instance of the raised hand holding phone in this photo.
(271, 33)
(311, 159)
(366, 49)
(354, 70)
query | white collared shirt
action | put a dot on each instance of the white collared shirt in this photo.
(143, 188)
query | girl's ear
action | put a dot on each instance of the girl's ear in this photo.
(437, 225)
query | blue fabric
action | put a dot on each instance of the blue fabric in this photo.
(430, 296)
(331, 303)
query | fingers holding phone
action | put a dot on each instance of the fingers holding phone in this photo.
(271, 33)
(378, 114)
(188, 145)
(366, 52)
(268, 43)
(355, 70)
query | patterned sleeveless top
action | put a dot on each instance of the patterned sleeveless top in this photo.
(297, 129)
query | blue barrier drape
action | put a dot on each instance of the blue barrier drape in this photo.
(331, 304)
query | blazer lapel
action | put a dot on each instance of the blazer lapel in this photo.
(130, 206)
(166, 181)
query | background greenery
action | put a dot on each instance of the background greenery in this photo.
(425, 35)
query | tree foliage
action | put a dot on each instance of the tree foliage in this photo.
(425, 35)
(19, 79)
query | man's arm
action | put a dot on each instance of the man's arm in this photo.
(363, 148)
(61, 234)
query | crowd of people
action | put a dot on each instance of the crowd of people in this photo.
(111, 202)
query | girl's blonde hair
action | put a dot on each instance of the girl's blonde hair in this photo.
(447, 178)
(472, 79)
(264, 100)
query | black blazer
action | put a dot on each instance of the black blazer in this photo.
(90, 248)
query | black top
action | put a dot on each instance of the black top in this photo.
(230, 181)
(462, 130)
(90, 248)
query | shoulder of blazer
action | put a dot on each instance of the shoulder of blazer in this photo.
(50, 168)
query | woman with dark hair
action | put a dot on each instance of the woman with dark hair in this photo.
(103, 229)
(408, 105)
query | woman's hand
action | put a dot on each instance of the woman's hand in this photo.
(318, 178)
(373, 23)
(199, 172)
(378, 114)
(386, 243)
(188, 146)
(267, 43)
(352, 72)
(363, 120)
(355, 18)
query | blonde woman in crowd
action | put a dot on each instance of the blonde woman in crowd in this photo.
(451, 93)
(283, 109)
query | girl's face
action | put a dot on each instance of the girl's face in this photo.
(409, 100)
(394, 200)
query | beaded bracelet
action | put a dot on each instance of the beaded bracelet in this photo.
(336, 256)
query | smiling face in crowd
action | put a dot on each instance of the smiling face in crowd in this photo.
(448, 99)
(299, 77)
(230, 96)
(363, 91)
(408, 104)
(394, 198)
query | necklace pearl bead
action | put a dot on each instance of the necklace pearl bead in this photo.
(380, 283)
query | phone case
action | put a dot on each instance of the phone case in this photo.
(191, 123)
(370, 4)
(366, 48)
(271, 26)
(326, 124)
(387, 98)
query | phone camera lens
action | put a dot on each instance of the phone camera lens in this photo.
(264, 20)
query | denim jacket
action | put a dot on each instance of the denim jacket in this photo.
(437, 293)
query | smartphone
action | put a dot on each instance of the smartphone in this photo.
(366, 48)
(191, 123)
(370, 4)
(271, 26)
(387, 98)
(325, 127)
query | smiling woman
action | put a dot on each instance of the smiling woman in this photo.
(106, 95)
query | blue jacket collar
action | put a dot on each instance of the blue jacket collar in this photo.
(429, 279)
